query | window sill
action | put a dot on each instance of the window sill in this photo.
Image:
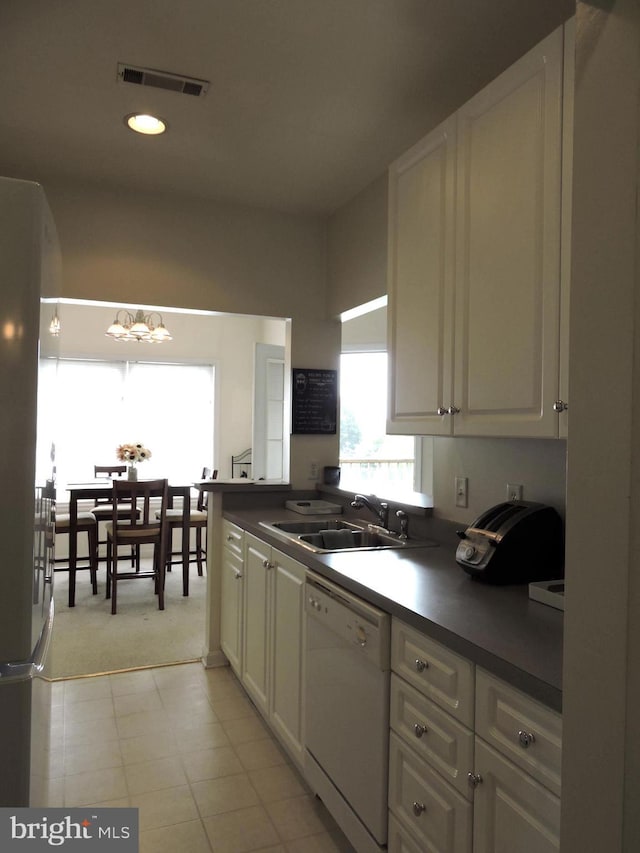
(414, 503)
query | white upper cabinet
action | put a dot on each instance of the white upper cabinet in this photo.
(475, 262)
(420, 276)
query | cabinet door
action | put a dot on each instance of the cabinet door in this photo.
(231, 586)
(511, 811)
(567, 193)
(508, 206)
(420, 284)
(257, 568)
(287, 652)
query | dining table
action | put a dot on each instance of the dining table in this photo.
(103, 489)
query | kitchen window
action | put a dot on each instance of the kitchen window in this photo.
(101, 404)
(371, 461)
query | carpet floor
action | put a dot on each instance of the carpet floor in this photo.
(88, 640)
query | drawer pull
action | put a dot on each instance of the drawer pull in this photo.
(418, 808)
(525, 739)
(474, 779)
(421, 665)
(419, 729)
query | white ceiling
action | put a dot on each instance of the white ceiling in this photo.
(309, 99)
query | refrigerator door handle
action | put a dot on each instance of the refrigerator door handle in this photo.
(26, 670)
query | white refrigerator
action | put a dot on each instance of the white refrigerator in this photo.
(29, 281)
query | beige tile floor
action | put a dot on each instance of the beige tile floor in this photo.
(187, 748)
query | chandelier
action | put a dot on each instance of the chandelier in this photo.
(140, 327)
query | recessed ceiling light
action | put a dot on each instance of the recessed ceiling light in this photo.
(144, 123)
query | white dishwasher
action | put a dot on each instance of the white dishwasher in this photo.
(347, 710)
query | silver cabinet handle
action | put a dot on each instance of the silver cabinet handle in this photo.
(421, 665)
(229, 537)
(442, 411)
(419, 730)
(453, 410)
(418, 808)
(474, 779)
(525, 739)
(237, 574)
(560, 406)
(267, 564)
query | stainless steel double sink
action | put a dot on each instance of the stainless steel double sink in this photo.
(333, 534)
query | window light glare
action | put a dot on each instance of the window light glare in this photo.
(147, 124)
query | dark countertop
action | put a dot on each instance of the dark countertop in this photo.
(497, 627)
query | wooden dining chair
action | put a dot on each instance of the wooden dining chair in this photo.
(197, 521)
(141, 527)
(86, 524)
(102, 509)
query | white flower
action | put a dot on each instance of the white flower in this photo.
(132, 452)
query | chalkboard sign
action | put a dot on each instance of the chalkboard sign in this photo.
(315, 401)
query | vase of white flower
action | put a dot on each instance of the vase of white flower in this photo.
(132, 454)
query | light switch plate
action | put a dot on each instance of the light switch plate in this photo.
(462, 491)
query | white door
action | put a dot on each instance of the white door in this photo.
(508, 211)
(268, 413)
(420, 283)
(255, 667)
(511, 811)
(231, 586)
(287, 712)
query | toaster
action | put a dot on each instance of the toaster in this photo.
(513, 542)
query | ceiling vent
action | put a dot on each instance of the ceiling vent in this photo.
(162, 80)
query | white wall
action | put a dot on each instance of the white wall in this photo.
(228, 341)
(601, 685)
(366, 333)
(357, 249)
(491, 463)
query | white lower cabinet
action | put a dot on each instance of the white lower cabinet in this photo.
(256, 621)
(400, 840)
(526, 732)
(287, 653)
(511, 811)
(518, 752)
(231, 594)
(273, 640)
(474, 764)
(439, 818)
(433, 734)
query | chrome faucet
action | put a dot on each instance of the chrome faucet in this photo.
(380, 510)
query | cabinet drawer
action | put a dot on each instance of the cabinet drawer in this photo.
(528, 733)
(428, 807)
(232, 536)
(432, 734)
(399, 840)
(443, 676)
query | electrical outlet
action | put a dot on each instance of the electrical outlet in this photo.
(313, 470)
(514, 491)
(462, 491)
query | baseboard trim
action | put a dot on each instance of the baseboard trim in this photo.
(213, 659)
